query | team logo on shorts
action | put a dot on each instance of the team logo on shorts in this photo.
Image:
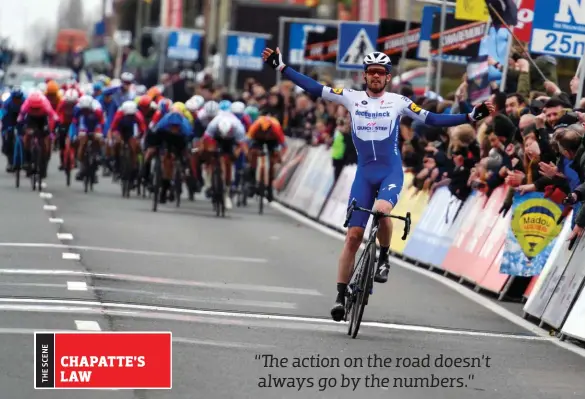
(337, 91)
(415, 108)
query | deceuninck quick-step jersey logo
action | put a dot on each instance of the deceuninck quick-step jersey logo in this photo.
(371, 115)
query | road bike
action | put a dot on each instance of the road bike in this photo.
(90, 163)
(38, 159)
(17, 156)
(126, 169)
(361, 284)
(217, 186)
(265, 177)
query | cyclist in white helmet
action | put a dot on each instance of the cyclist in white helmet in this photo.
(375, 116)
(227, 134)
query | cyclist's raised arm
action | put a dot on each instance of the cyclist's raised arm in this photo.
(274, 59)
(413, 111)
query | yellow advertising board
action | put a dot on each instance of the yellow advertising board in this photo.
(472, 10)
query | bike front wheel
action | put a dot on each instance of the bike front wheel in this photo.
(361, 287)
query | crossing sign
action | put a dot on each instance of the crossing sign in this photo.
(356, 40)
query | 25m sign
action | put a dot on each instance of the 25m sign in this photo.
(104, 360)
(559, 28)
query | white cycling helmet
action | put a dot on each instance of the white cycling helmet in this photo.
(238, 107)
(85, 102)
(191, 106)
(211, 108)
(140, 90)
(127, 77)
(198, 100)
(378, 58)
(71, 96)
(115, 83)
(225, 127)
(129, 108)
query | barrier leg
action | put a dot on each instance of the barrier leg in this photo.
(506, 288)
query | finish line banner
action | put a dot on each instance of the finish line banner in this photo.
(104, 360)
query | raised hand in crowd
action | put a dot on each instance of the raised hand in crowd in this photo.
(548, 169)
(522, 65)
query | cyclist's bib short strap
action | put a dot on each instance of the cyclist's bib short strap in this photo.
(369, 179)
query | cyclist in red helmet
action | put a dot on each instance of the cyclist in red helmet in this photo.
(36, 117)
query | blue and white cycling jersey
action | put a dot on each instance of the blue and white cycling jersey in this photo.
(375, 128)
(375, 122)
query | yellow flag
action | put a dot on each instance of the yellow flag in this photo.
(471, 10)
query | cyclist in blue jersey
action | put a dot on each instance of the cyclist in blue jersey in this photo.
(375, 123)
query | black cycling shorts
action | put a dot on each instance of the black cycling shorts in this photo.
(175, 143)
(272, 145)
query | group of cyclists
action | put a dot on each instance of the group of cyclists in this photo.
(116, 113)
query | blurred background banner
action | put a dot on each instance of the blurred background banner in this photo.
(391, 39)
(478, 84)
(459, 37)
(322, 45)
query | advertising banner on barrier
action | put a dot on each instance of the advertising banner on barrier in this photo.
(551, 274)
(567, 289)
(532, 234)
(490, 245)
(493, 280)
(287, 173)
(575, 324)
(336, 207)
(319, 183)
(311, 174)
(462, 247)
(409, 201)
(299, 175)
(428, 242)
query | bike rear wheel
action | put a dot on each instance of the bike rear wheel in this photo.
(156, 182)
(360, 288)
(125, 171)
(178, 183)
(218, 189)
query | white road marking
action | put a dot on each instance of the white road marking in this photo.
(50, 207)
(182, 340)
(43, 185)
(46, 195)
(82, 286)
(56, 220)
(165, 281)
(466, 292)
(76, 286)
(64, 236)
(87, 325)
(71, 256)
(181, 314)
(135, 252)
(221, 344)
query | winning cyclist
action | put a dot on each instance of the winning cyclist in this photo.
(375, 116)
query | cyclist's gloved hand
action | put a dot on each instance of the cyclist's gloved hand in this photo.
(481, 111)
(273, 58)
